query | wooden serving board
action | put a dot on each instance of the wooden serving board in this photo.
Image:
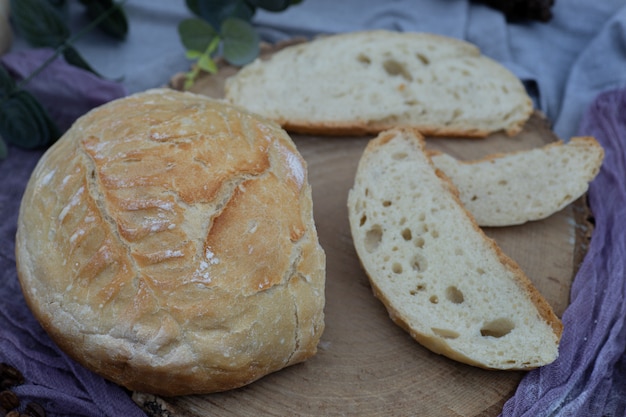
(366, 365)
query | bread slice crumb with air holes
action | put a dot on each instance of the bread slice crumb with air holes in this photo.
(439, 276)
(369, 81)
(516, 187)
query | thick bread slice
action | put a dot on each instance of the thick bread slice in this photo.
(513, 188)
(366, 82)
(438, 275)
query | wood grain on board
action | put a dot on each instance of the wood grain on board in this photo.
(366, 365)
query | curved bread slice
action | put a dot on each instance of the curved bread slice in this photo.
(513, 188)
(438, 275)
(369, 81)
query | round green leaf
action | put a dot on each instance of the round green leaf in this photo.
(241, 41)
(73, 57)
(196, 34)
(49, 127)
(194, 6)
(7, 84)
(18, 126)
(39, 23)
(24, 123)
(115, 24)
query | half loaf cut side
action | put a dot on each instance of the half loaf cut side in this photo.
(438, 275)
(513, 188)
(366, 82)
(167, 242)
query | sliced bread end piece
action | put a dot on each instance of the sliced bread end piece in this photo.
(369, 81)
(439, 276)
(514, 188)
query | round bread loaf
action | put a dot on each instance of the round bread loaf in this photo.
(167, 242)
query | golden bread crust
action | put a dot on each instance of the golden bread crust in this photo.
(167, 242)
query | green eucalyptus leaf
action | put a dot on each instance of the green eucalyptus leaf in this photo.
(273, 5)
(25, 123)
(196, 34)
(39, 23)
(7, 84)
(50, 127)
(241, 41)
(73, 57)
(40, 118)
(115, 24)
(194, 6)
(4, 151)
(217, 11)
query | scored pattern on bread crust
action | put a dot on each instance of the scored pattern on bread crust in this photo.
(365, 82)
(438, 275)
(516, 187)
(167, 242)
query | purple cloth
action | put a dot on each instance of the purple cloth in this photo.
(65, 91)
(53, 380)
(589, 377)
